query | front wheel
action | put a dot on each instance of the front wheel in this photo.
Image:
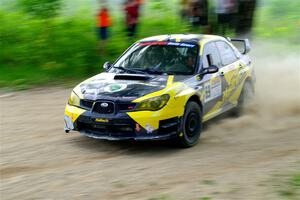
(191, 125)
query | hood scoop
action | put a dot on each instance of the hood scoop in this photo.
(132, 77)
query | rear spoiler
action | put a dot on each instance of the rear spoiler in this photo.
(243, 45)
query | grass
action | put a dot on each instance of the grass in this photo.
(119, 184)
(208, 182)
(287, 186)
(205, 198)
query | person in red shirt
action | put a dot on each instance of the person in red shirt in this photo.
(131, 8)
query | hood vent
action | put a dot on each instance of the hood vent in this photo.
(133, 77)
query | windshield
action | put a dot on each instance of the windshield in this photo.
(159, 58)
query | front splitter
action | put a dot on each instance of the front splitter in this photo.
(137, 138)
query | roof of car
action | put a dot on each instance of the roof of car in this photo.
(189, 38)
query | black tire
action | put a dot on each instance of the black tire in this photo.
(245, 99)
(191, 125)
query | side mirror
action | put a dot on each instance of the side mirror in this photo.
(106, 66)
(242, 45)
(247, 46)
(209, 70)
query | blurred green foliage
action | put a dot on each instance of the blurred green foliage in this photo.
(59, 48)
(42, 45)
(41, 8)
(280, 20)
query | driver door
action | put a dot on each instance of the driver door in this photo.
(213, 84)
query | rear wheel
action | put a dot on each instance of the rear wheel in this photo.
(191, 125)
(245, 99)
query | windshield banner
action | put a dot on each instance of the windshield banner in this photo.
(180, 44)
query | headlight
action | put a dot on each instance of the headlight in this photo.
(154, 103)
(74, 100)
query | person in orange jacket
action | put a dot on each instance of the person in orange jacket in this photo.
(103, 23)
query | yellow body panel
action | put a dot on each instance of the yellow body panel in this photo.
(73, 112)
(179, 94)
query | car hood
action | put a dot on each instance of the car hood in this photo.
(110, 86)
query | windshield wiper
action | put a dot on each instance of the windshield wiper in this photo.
(127, 69)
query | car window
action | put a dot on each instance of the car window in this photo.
(211, 55)
(161, 57)
(226, 52)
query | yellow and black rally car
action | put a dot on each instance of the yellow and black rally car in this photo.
(163, 87)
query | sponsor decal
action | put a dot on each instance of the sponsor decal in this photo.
(213, 89)
(116, 87)
(89, 91)
(152, 43)
(149, 128)
(101, 120)
(180, 44)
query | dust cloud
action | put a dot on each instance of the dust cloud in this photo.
(277, 92)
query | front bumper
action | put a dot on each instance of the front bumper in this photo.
(118, 126)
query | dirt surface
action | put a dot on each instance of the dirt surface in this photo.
(236, 158)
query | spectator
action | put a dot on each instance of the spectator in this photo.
(104, 22)
(245, 17)
(198, 12)
(184, 12)
(131, 8)
(227, 14)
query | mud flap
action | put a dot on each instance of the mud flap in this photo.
(68, 124)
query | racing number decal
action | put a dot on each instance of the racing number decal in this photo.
(213, 89)
(207, 91)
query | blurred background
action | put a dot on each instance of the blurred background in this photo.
(46, 42)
